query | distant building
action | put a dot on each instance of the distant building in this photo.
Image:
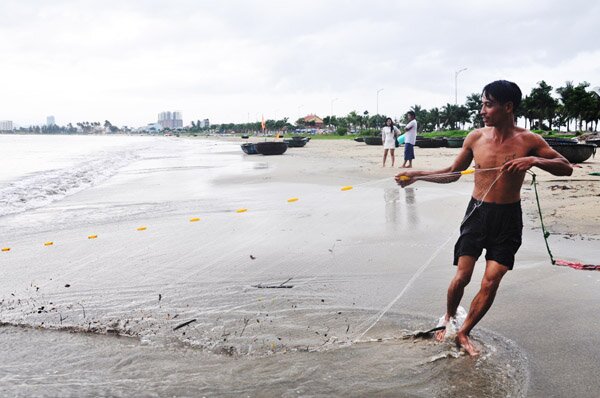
(204, 124)
(50, 121)
(6, 125)
(313, 120)
(170, 120)
(151, 128)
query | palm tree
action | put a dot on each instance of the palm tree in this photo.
(353, 119)
(434, 116)
(462, 115)
(543, 105)
(474, 104)
(418, 110)
(365, 119)
(567, 110)
(449, 115)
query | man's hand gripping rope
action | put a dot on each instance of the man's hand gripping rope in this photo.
(406, 178)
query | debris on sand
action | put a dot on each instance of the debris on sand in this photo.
(280, 286)
(184, 324)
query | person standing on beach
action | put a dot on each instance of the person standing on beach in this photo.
(410, 138)
(502, 153)
(389, 132)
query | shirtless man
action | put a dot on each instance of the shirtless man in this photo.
(496, 224)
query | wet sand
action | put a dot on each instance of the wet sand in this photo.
(549, 311)
(569, 204)
(349, 255)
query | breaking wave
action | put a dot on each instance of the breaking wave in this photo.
(42, 188)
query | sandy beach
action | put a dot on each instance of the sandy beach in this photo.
(539, 306)
(263, 296)
(569, 203)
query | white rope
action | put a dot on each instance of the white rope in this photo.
(429, 261)
(406, 287)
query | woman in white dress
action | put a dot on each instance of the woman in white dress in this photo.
(388, 135)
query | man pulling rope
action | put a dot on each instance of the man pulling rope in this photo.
(493, 220)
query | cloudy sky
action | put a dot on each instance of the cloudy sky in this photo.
(233, 61)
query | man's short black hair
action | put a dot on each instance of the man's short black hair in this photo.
(503, 91)
(411, 113)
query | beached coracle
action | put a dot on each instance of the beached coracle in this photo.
(594, 141)
(296, 142)
(422, 142)
(564, 141)
(575, 153)
(300, 138)
(373, 140)
(455, 142)
(249, 149)
(271, 147)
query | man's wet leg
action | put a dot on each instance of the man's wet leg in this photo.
(482, 302)
(466, 264)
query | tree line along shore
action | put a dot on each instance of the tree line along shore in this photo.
(565, 111)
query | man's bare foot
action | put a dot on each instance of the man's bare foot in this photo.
(462, 340)
(440, 335)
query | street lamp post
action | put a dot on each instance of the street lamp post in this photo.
(332, 101)
(377, 109)
(456, 84)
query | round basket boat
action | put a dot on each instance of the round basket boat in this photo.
(564, 141)
(575, 153)
(359, 139)
(249, 149)
(455, 142)
(373, 140)
(271, 147)
(293, 143)
(595, 141)
(422, 142)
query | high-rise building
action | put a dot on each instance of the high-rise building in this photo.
(50, 121)
(6, 125)
(170, 120)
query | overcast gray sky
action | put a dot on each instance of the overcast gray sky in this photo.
(126, 61)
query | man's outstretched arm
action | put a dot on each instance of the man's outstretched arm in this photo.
(462, 161)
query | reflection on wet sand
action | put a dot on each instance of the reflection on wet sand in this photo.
(391, 196)
(410, 198)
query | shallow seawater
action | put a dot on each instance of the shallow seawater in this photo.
(62, 363)
(104, 316)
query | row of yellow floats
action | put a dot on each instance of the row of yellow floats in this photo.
(194, 219)
(242, 210)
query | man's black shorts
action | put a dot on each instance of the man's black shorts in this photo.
(494, 227)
